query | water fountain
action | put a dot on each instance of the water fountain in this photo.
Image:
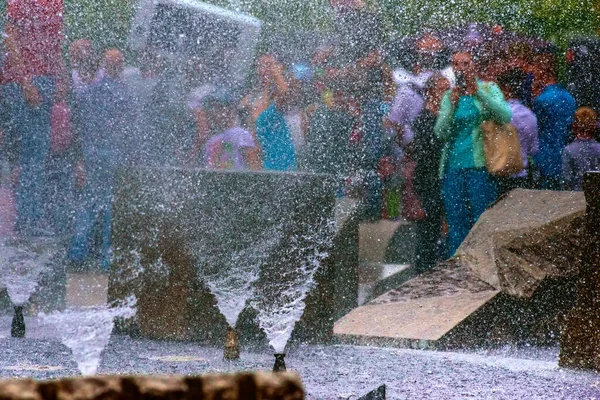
(22, 262)
(231, 278)
(285, 281)
(217, 232)
(86, 330)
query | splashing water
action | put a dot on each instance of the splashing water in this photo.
(232, 280)
(136, 272)
(86, 331)
(22, 261)
(284, 285)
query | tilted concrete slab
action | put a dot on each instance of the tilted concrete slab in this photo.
(525, 238)
(523, 246)
(422, 310)
(426, 319)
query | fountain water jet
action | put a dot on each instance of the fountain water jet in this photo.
(283, 287)
(86, 330)
(22, 262)
(232, 280)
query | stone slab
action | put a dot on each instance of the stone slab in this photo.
(86, 289)
(374, 239)
(427, 318)
(526, 237)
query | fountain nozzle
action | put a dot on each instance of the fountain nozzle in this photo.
(279, 363)
(232, 345)
(17, 329)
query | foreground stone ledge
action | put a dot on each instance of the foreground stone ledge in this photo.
(255, 386)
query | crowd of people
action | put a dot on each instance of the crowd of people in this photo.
(407, 138)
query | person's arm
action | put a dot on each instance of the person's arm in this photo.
(249, 150)
(570, 107)
(443, 125)
(77, 144)
(389, 86)
(202, 135)
(357, 70)
(535, 140)
(282, 92)
(493, 101)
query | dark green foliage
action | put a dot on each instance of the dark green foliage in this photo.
(107, 21)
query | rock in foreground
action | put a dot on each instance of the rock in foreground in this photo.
(259, 386)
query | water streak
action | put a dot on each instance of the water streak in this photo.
(232, 280)
(22, 261)
(284, 285)
(86, 330)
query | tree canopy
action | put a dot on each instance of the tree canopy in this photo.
(107, 21)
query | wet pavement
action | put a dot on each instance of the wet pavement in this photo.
(328, 372)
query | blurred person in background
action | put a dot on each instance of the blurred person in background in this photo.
(583, 154)
(32, 69)
(554, 108)
(329, 148)
(85, 69)
(103, 113)
(230, 146)
(266, 109)
(519, 56)
(141, 81)
(467, 189)
(408, 104)
(356, 70)
(525, 121)
(60, 193)
(427, 152)
(408, 101)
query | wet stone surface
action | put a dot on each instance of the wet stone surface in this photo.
(328, 372)
(446, 279)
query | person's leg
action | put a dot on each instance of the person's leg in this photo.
(35, 146)
(372, 140)
(373, 196)
(372, 151)
(106, 227)
(482, 191)
(427, 233)
(88, 212)
(60, 194)
(15, 109)
(82, 231)
(455, 196)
